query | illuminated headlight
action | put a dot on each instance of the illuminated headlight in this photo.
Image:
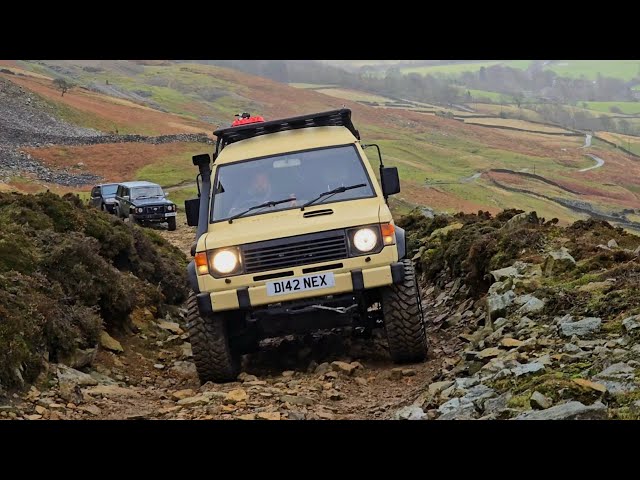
(365, 239)
(139, 210)
(224, 261)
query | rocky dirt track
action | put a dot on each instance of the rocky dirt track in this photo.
(148, 374)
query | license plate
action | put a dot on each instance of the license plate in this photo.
(301, 284)
(173, 214)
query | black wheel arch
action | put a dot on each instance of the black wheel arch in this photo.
(401, 242)
(192, 276)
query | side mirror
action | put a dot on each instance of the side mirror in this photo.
(192, 211)
(126, 197)
(390, 180)
(202, 159)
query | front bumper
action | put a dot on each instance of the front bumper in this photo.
(246, 298)
(155, 217)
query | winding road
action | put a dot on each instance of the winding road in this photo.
(599, 163)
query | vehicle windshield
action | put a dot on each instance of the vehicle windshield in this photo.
(146, 192)
(300, 175)
(109, 190)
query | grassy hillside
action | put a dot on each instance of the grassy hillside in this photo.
(631, 108)
(67, 272)
(439, 158)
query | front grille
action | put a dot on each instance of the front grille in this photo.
(154, 209)
(294, 251)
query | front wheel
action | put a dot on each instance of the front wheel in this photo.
(215, 360)
(171, 222)
(403, 319)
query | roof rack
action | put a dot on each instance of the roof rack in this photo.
(336, 118)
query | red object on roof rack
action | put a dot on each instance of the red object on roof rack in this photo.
(246, 118)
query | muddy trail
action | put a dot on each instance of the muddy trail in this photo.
(148, 374)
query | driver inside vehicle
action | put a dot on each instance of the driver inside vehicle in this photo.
(260, 190)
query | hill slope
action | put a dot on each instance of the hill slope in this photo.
(436, 156)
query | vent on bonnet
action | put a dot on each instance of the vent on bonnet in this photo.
(317, 213)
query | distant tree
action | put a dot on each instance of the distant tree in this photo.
(585, 105)
(518, 98)
(623, 125)
(615, 109)
(483, 74)
(606, 122)
(62, 85)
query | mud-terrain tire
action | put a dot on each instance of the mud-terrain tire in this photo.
(403, 319)
(214, 359)
(171, 223)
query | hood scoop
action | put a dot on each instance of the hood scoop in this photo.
(317, 213)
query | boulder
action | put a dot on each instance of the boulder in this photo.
(528, 304)
(558, 261)
(411, 412)
(497, 304)
(568, 411)
(581, 328)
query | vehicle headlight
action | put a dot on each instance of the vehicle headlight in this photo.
(169, 208)
(225, 261)
(139, 210)
(365, 239)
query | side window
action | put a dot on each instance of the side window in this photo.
(98, 191)
(126, 192)
(119, 191)
(94, 192)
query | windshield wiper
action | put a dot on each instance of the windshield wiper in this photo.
(332, 192)
(262, 205)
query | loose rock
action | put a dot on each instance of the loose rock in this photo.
(296, 400)
(581, 328)
(344, 367)
(235, 396)
(568, 411)
(409, 413)
(269, 416)
(539, 401)
(109, 343)
(181, 394)
(170, 327)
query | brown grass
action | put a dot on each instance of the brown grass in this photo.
(114, 161)
(119, 112)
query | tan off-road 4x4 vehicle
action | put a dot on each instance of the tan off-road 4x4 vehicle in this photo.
(294, 235)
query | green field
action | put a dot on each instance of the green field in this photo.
(310, 86)
(434, 156)
(458, 68)
(623, 69)
(171, 169)
(630, 108)
(355, 95)
(482, 94)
